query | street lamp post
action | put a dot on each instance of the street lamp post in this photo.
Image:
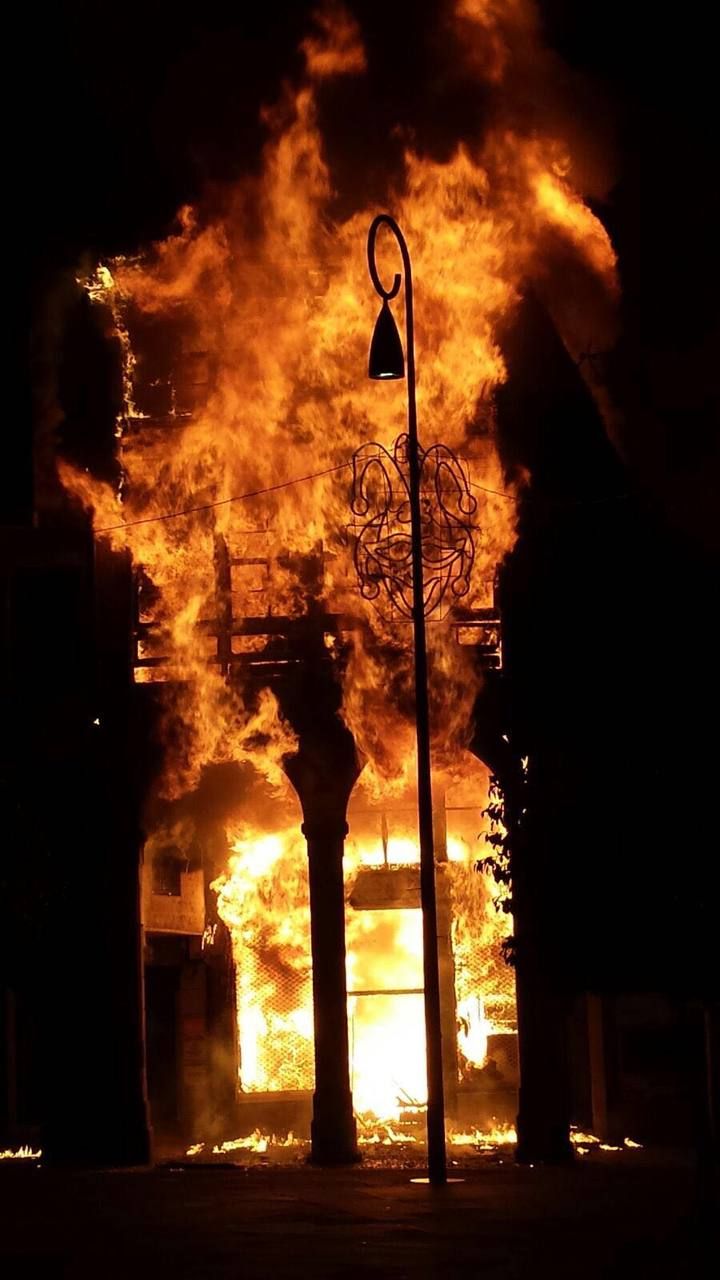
(386, 362)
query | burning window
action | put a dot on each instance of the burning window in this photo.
(264, 900)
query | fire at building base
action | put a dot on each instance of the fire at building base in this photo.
(256, 947)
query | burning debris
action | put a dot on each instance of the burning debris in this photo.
(399, 1140)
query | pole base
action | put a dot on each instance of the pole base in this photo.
(428, 1182)
(543, 1144)
(333, 1134)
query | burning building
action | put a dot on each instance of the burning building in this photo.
(281, 948)
(283, 955)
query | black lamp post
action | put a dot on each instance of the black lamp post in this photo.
(386, 361)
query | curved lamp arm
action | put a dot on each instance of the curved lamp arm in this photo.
(384, 219)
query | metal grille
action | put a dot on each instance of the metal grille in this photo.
(275, 1023)
(483, 972)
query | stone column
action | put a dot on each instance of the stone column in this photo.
(120, 737)
(446, 959)
(323, 773)
(543, 1120)
(96, 1110)
(334, 1137)
(544, 1107)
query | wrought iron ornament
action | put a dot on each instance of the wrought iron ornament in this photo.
(382, 529)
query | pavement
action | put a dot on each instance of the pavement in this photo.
(626, 1216)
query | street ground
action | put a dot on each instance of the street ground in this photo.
(630, 1215)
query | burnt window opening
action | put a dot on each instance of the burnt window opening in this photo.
(167, 871)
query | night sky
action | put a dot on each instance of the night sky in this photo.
(127, 111)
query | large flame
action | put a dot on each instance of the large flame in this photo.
(269, 309)
(244, 340)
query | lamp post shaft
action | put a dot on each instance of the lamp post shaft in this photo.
(437, 1159)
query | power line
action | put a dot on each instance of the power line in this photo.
(222, 502)
(498, 493)
(317, 475)
(558, 502)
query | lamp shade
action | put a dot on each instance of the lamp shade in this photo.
(386, 358)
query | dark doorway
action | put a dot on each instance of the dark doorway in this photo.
(161, 994)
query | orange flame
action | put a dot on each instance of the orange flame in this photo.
(272, 310)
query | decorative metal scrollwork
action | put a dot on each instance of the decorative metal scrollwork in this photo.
(383, 546)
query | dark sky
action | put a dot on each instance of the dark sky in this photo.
(127, 110)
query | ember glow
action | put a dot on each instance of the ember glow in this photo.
(244, 341)
(383, 1134)
(499, 1136)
